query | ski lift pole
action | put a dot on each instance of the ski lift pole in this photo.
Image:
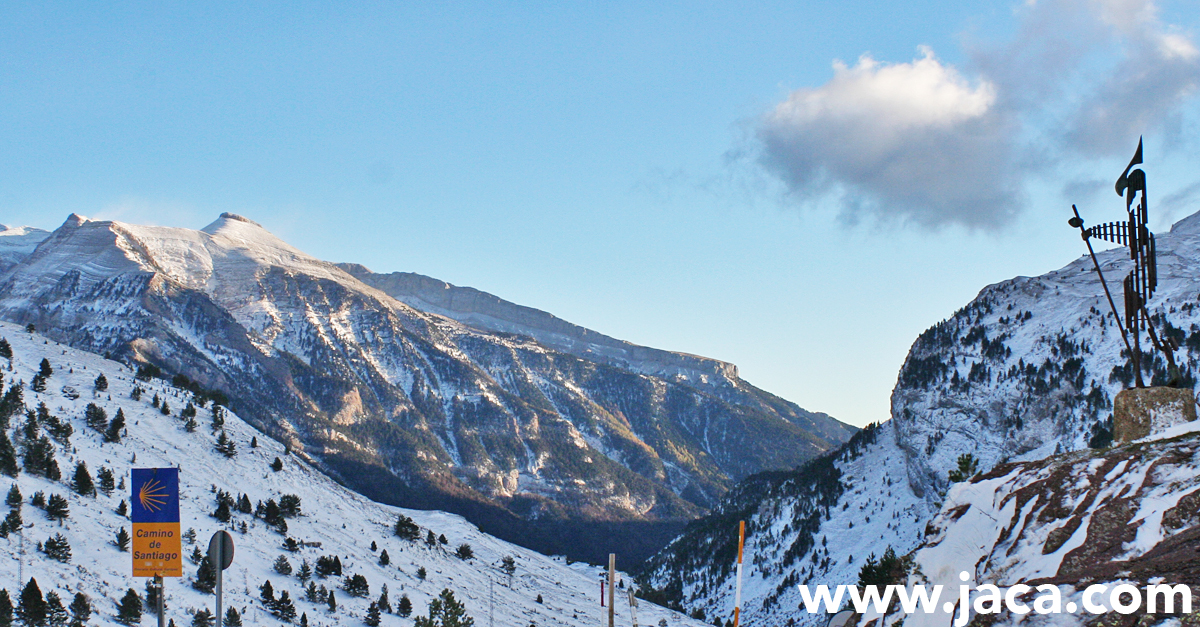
(632, 607)
(737, 599)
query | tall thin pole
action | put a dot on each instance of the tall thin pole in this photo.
(220, 568)
(612, 589)
(162, 618)
(737, 599)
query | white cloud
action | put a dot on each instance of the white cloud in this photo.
(926, 143)
(911, 141)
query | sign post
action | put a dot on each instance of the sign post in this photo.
(220, 556)
(157, 548)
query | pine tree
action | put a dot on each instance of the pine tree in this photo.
(203, 618)
(151, 598)
(464, 551)
(5, 349)
(206, 576)
(331, 602)
(136, 393)
(165, 408)
(421, 573)
(82, 482)
(56, 614)
(253, 441)
(445, 611)
(122, 540)
(14, 498)
(101, 383)
(232, 618)
(384, 603)
(218, 418)
(8, 456)
(113, 433)
(304, 620)
(430, 540)
(277, 465)
(283, 608)
(282, 566)
(311, 594)
(81, 609)
(508, 565)
(56, 508)
(189, 424)
(6, 609)
(407, 529)
(226, 446)
(122, 508)
(32, 608)
(267, 592)
(12, 521)
(129, 611)
(372, 619)
(384, 559)
(44, 369)
(222, 514)
(356, 586)
(107, 481)
(57, 548)
(404, 607)
(95, 417)
(305, 572)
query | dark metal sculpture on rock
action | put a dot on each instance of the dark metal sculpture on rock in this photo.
(1140, 283)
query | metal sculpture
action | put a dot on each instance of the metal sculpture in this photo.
(1140, 283)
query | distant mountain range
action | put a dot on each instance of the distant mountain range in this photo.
(412, 391)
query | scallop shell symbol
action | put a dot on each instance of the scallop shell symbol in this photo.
(153, 495)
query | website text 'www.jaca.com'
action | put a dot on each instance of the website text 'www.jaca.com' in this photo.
(1123, 598)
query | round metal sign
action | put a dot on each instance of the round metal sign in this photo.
(222, 544)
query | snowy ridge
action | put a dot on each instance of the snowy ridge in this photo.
(344, 523)
(482, 310)
(407, 406)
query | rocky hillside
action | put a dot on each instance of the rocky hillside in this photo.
(80, 552)
(561, 450)
(1026, 371)
(1126, 514)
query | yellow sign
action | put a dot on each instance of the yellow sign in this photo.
(157, 550)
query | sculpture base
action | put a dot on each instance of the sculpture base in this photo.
(1141, 412)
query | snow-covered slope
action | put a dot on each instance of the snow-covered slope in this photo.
(1030, 366)
(408, 406)
(1026, 371)
(817, 524)
(16, 243)
(1126, 514)
(344, 523)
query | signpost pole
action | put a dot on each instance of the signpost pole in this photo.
(158, 583)
(220, 576)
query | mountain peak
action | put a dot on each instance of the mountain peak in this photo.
(225, 218)
(76, 220)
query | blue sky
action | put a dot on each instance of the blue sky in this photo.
(798, 188)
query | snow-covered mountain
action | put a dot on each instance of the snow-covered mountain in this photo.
(332, 521)
(1026, 371)
(543, 433)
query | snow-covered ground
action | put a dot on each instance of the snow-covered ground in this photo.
(344, 523)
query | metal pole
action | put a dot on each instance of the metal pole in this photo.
(220, 575)
(612, 585)
(158, 583)
(737, 599)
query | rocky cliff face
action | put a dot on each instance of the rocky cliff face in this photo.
(408, 406)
